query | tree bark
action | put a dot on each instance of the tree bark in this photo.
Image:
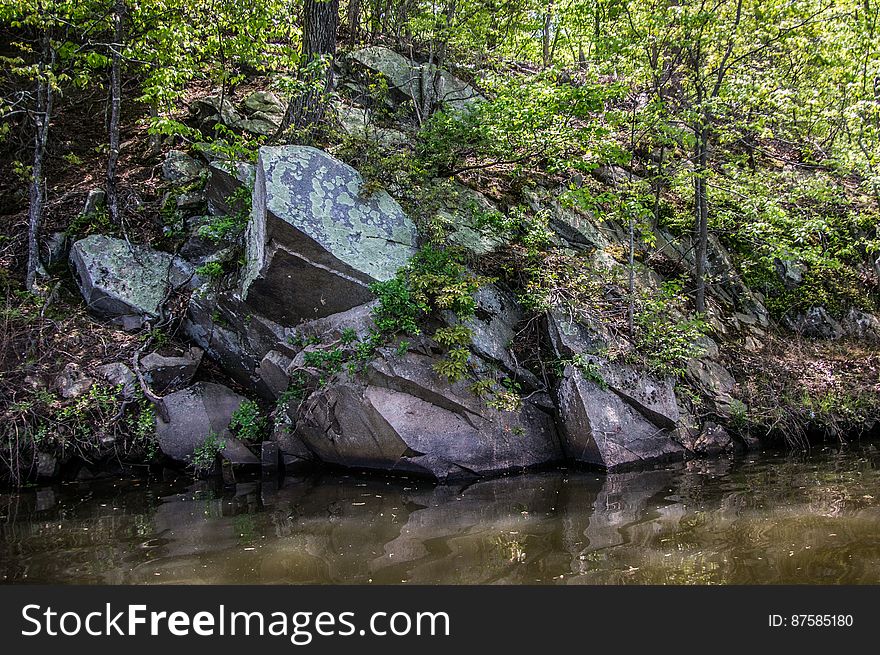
(320, 22)
(42, 116)
(701, 209)
(115, 110)
(545, 34)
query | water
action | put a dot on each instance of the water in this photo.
(758, 519)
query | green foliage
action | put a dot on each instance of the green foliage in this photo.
(248, 423)
(210, 270)
(205, 455)
(665, 339)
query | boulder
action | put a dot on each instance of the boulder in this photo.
(125, 283)
(493, 325)
(576, 227)
(193, 414)
(405, 418)
(56, 248)
(95, 201)
(417, 81)
(211, 110)
(570, 337)
(224, 181)
(265, 102)
(180, 168)
(72, 382)
(316, 241)
(861, 325)
(459, 217)
(789, 271)
(713, 381)
(603, 428)
(118, 374)
(356, 123)
(206, 244)
(164, 372)
(816, 323)
(713, 440)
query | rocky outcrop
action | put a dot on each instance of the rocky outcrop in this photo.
(316, 240)
(816, 323)
(195, 413)
(421, 83)
(180, 168)
(406, 418)
(163, 372)
(125, 283)
(616, 426)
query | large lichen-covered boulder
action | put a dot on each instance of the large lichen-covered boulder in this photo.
(316, 239)
(125, 283)
(604, 427)
(195, 413)
(419, 82)
(404, 417)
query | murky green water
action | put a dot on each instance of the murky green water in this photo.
(759, 519)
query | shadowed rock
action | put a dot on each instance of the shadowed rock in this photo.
(601, 428)
(193, 414)
(406, 418)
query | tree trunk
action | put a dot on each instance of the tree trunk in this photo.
(320, 22)
(41, 136)
(545, 34)
(353, 19)
(115, 110)
(701, 209)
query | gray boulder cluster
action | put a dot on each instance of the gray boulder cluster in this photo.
(315, 242)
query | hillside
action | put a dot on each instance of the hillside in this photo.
(436, 257)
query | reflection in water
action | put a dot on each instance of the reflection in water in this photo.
(772, 519)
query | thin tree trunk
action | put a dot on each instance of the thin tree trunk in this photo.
(353, 19)
(545, 33)
(320, 22)
(701, 208)
(115, 110)
(41, 137)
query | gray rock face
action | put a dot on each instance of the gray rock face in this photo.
(417, 81)
(816, 323)
(713, 381)
(196, 412)
(459, 218)
(603, 428)
(180, 168)
(265, 102)
(164, 372)
(315, 242)
(226, 178)
(570, 337)
(356, 122)
(405, 418)
(493, 326)
(124, 283)
(862, 325)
